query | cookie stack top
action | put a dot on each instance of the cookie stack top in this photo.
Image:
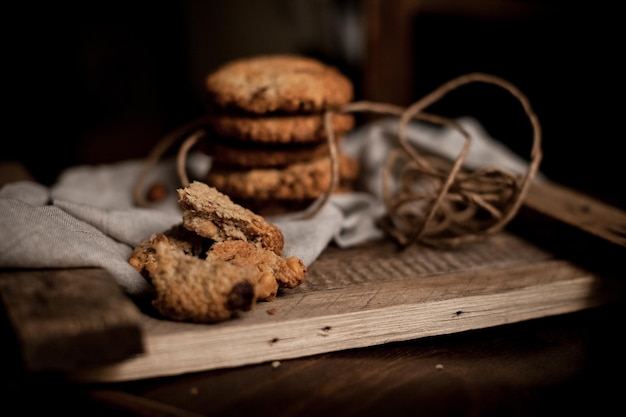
(286, 83)
(268, 139)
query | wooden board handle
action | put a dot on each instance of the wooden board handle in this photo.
(578, 210)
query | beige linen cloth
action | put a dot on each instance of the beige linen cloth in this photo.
(87, 218)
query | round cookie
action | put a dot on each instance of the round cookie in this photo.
(274, 206)
(279, 128)
(300, 181)
(285, 83)
(225, 155)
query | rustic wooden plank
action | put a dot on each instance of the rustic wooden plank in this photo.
(363, 297)
(356, 297)
(578, 210)
(65, 319)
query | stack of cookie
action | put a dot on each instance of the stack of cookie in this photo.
(266, 136)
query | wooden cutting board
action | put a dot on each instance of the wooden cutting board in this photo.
(372, 295)
(357, 297)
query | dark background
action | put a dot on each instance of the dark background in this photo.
(101, 81)
(565, 59)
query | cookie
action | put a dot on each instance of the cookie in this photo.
(273, 269)
(278, 83)
(191, 289)
(267, 135)
(292, 129)
(287, 273)
(212, 214)
(299, 181)
(275, 206)
(238, 155)
(222, 259)
(186, 241)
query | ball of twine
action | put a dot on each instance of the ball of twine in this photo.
(430, 200)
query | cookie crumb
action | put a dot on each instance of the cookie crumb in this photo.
(271, 311)
(439, 367)
(275, 364)
(193, 391)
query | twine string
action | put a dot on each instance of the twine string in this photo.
(157, 152)
(427, 199)
(321, 201)
(181, 157)
(455, 211)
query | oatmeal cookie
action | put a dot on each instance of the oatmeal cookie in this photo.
(276, 206)
(299, 181)
(242, 156)
(288, 272)
(222, 259)
(212, 214)
(186, 241)
(291, 129)
(191, 289)
(285, 83)
(271, 267)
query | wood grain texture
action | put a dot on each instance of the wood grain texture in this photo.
(364, 297)
(67, 319)
(555, 366)
(578, 210)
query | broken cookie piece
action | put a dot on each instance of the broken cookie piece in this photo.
(214, 215)
(191, 289)
(221, 259)
(186, 241)
(286, 273)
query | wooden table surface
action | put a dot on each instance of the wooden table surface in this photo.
(559, 365)
(571, 364)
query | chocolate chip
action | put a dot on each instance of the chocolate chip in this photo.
(241, 296)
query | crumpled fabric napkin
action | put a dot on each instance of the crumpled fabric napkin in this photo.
(87, 218)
